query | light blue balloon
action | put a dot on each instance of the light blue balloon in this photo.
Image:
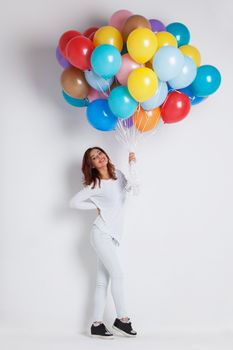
(207, 81)
(180, 32)
(100, 116)
(98, 83)
(168, 62)
(158, 98)
(106, 61)
(186, 76)
(121, 103)
(76, 102)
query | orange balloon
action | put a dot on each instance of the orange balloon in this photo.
(146, 120)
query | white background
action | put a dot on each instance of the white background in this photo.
(177, 250)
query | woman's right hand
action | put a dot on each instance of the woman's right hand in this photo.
(132, 157)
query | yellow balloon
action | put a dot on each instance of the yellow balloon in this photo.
(141, 44)
(191, 52)
(165, 39)
(108, 35)
(142, 83)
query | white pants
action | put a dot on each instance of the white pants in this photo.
(107, 268)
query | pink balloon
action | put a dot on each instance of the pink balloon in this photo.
(118, 18)
(127, 65)
(94, 95)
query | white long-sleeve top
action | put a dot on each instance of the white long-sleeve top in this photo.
(110, 198)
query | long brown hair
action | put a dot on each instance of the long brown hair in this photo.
(91, 175)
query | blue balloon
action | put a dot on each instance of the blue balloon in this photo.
(186, 76)
(76, 102)
(106, 60)
(180, 32)
(168, 62)
(98, 83)
(121, 103)
(170, 89)
(158, 98)
(100, 116)
(193, 99)
(207, 81)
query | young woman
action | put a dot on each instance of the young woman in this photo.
(105, 189)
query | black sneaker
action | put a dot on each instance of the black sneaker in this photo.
(101, 331)
(124, 328)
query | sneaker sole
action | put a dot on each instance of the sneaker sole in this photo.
(124, 333)
(102, 336)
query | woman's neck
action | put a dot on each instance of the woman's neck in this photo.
(104, 173)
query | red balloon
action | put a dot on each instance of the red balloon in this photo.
(176, 107)
(90, 32)
(91, 36)
(78, 52)
(65, 38)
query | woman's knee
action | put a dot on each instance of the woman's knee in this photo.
(102, 279)
(102, 284)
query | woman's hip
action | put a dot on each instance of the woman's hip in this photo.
(101, 239)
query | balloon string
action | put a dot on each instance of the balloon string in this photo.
(128, 135)
(101, 90)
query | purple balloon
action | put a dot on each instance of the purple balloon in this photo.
(127, 123)
(61, 59)
(157, 26)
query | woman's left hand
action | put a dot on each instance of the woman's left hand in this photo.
(132, 157)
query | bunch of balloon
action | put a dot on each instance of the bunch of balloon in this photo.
(133, 75)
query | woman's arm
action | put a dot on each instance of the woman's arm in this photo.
(82, 200)
(132, 184)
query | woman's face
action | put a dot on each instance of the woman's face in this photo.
(98, 158)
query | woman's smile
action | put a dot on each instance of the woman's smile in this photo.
(102, 160)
